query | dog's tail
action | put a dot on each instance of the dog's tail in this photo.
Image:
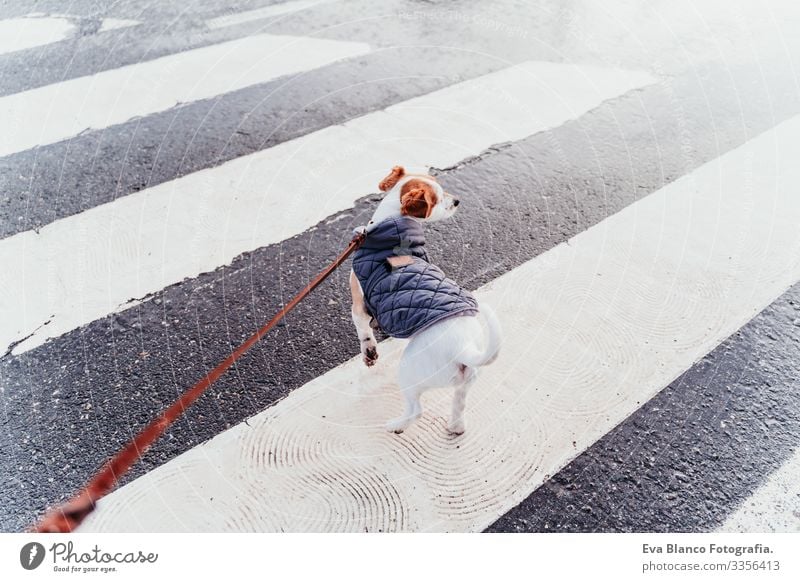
(475, 358)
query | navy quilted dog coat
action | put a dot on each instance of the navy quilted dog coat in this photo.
(405, 300)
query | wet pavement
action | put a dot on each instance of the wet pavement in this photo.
(726, 74)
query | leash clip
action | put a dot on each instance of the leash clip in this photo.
(359, 235)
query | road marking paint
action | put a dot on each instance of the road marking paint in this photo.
(593, 328)
(263, 13)
(34, 30)
(83, 267)
(773, 507)
(116, 23)
(17, 34)
(55, 112)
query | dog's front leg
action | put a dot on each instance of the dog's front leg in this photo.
(361, 319)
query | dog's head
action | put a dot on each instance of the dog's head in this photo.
(417, 195)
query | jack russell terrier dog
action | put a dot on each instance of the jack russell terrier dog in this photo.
(395, 288)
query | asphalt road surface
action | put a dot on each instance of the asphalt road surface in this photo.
(171, 173)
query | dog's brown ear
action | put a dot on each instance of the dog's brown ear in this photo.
(394, 176)
(417, 202)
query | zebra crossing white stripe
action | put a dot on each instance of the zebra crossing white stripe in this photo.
(774, 507)
(116, 23)
(34, 30)
(86, 266)
(264, 13)
(55, 112)
(17, 34)
(593, 329)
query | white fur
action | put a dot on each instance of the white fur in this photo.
(448, 353)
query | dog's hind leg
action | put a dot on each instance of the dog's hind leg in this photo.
(467, 378)
(361, 319)
(412, 381)
(412, 411)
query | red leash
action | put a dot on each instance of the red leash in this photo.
(70, 515)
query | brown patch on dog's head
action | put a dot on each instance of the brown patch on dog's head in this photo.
(417, 199)
(394, 176)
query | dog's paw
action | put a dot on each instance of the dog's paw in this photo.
(370, 356)
(397, 426)
(456, 429)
